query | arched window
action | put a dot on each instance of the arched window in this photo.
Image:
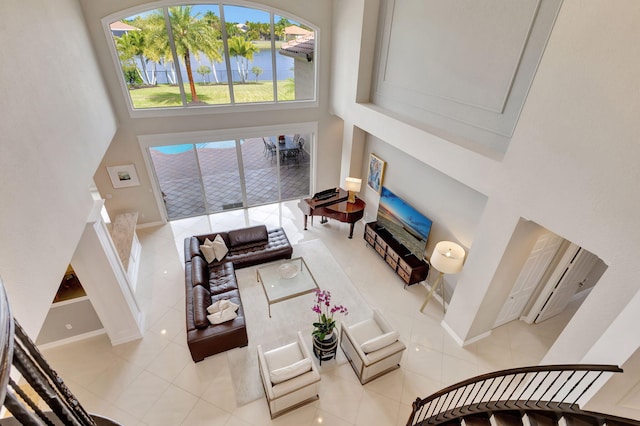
(203, 55)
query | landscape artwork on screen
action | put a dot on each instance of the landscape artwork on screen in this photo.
(406, 224)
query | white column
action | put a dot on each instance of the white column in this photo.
(472, 310)
(105, 281)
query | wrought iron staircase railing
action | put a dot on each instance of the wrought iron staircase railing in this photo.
(556, 389)
(18, 351)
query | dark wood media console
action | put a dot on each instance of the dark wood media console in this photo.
(407, 265)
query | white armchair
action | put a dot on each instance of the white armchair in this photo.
(289, 375)
(372, 347)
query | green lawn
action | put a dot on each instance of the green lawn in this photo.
(165, 95)
(266, 44)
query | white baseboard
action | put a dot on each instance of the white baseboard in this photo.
(150, 224)
(459, 340)
(72, 339)
(134, 335)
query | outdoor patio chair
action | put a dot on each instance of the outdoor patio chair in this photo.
(292, 157)
(301, 146)
(269, 148)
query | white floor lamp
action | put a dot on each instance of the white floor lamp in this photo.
(447, 258)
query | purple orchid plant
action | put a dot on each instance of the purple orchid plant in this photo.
(325, 324)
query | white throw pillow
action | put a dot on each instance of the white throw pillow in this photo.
(219, 247)
(208, 250)
(221, 305)
(222, 316)
(380, 342)
(280, 375)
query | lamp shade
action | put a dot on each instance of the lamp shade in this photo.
(447, 257)
(352, 184)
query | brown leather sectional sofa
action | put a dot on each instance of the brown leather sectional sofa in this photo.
(205, 283)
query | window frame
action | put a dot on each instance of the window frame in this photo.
(185, 110)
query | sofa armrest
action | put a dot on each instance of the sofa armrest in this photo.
(306, 353)
(264, 373)
(354, 343)
(386, 352)
(382, 322)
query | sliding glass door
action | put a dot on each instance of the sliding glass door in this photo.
(209, 177)
(178, 173)
(220, 175)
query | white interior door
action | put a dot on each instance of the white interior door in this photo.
(571, 276)
(534, 268)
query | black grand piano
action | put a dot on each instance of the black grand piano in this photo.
(332, 203)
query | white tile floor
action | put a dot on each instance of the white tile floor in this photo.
(153, 381)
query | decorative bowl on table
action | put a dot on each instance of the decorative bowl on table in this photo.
(288, 270)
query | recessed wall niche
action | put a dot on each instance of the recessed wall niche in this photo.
(461, 66)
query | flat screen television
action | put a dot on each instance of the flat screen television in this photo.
(406, 224)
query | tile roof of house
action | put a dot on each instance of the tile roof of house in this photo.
(121, 26)
(301, 47)
(296, 30)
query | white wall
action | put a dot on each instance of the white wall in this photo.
(125, 149)
(573, 159)
(454, 208)
(56, 125)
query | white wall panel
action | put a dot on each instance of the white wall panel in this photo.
(464, 51)
(462, 66)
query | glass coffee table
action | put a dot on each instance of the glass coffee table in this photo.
(285, 280)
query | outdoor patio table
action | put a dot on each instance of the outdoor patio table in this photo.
(288, 145)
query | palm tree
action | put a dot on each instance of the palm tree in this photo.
(212, 45)
(232, 29)
(156, 43)
(212, 19)
(265, 31)
(203, 70)
(280, 26)
(131, 45)
(243, 51)
(253, 30)
(158, 48)
(189, 34)
(256, 71)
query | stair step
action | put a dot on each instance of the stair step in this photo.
(454, 422)
(539, 418)
(480, 419)
(506, 418)
(580, 420)
(621, 422)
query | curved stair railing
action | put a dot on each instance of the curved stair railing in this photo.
(526, 391)
(18, 351)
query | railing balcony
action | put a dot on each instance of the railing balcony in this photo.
(555, 388)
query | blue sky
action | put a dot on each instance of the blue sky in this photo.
(236, 14)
